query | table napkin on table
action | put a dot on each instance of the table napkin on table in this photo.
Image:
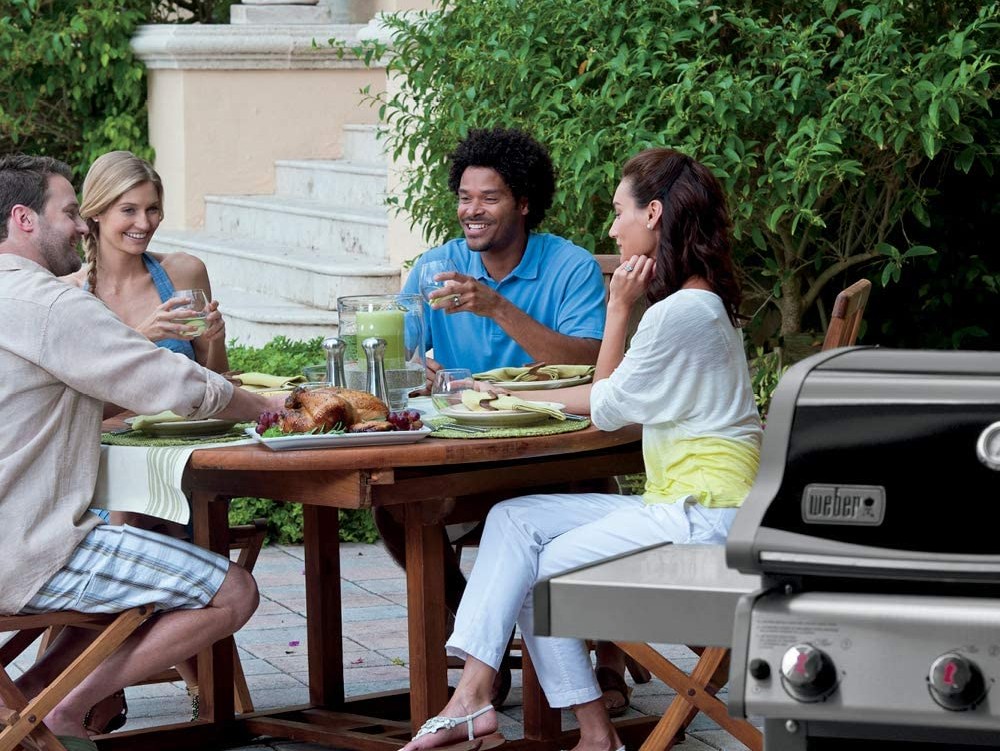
(265, 381)
(540, 372)
(140, 421)
(476, 401)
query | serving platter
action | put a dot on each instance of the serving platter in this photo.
(557, 383)
(338, 440)
(185, 428)
(501, 418)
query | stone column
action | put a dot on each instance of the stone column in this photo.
(224, 104)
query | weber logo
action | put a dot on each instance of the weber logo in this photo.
(843, 504)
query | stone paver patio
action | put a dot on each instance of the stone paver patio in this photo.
(273, 649)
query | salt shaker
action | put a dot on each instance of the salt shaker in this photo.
(374, 348)
(334, 347)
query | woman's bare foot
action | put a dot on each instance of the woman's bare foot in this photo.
(483, 725)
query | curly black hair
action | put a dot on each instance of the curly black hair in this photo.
(521, 161)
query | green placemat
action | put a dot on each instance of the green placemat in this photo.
(552, 427)
(138, 438)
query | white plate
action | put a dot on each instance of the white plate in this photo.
(186, 428)
(501, 418)
(558, 383)
(335, 440)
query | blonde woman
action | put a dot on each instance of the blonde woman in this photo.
(122, 204)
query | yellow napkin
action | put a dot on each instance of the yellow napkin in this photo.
(485, 401)
(141, 421)
(539, 372)
(265, 381)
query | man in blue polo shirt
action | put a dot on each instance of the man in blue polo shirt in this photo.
(519, 296)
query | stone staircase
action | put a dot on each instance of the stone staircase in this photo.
(278, 263)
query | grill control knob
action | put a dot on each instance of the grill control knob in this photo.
(807, 673)
(955, 682)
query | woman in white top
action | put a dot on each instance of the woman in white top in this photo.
(685, 379)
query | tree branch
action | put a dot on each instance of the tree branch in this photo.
(828, 273)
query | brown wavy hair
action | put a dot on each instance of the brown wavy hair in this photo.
(108, 179)
(695, 229)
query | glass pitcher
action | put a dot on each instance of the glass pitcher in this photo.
(399, 320)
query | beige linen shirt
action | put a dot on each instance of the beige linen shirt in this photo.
(62, 355)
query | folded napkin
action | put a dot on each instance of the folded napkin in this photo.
(265, 381)
(486, 401)
(141, 421)
(539, 372)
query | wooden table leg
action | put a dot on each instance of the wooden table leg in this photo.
(215, 664)
(541, 722)
(425, 615)
(324, 628)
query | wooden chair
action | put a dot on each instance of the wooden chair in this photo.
(25, 719)
(696, 692)
(845, 320)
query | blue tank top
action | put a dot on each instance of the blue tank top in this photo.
(165, 288)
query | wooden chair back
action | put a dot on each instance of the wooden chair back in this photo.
(24, 718)
(845, 320)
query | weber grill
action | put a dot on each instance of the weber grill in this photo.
(871, 526)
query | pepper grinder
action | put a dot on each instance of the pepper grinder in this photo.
(374, 348)
(334, 347)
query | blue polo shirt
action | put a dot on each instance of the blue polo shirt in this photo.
(557, 283)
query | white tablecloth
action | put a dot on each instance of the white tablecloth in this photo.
(147, 480)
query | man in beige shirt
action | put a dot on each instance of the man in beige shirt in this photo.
(63, 356)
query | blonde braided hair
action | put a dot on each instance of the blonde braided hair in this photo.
(110, 176)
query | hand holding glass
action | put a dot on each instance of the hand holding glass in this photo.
(428, 284)
(449, 385)
(197, 307)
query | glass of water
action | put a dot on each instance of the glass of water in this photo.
(428, 284)
(448, 386)
(197, 308)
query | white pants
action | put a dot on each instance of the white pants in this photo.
(537, 536)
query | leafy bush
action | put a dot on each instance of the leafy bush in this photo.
(822, 119)
(72, 88)
(282, 356)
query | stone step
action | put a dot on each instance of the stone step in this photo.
(361, 144)
(302, 223)
(255, 320)
(337, 182)
(275, 270)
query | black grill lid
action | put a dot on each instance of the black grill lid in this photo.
(869, 468)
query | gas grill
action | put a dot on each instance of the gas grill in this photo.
(878, 619)
(863, 575)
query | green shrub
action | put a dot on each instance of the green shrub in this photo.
(282, 356)
(72, 88)
(822, 119)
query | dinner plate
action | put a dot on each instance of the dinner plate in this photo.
(557, 383)
(186, 428)
(501, 418)
(339, 440)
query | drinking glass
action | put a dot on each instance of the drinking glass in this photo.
(448, 386)
(428, 284)
(198, 308)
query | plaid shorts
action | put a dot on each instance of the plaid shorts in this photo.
(116, 568)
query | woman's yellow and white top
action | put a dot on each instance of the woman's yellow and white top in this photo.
(685, 379)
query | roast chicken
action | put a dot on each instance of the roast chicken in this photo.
(326, 408)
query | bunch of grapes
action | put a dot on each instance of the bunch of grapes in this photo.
(407, 419)
(266, 420)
